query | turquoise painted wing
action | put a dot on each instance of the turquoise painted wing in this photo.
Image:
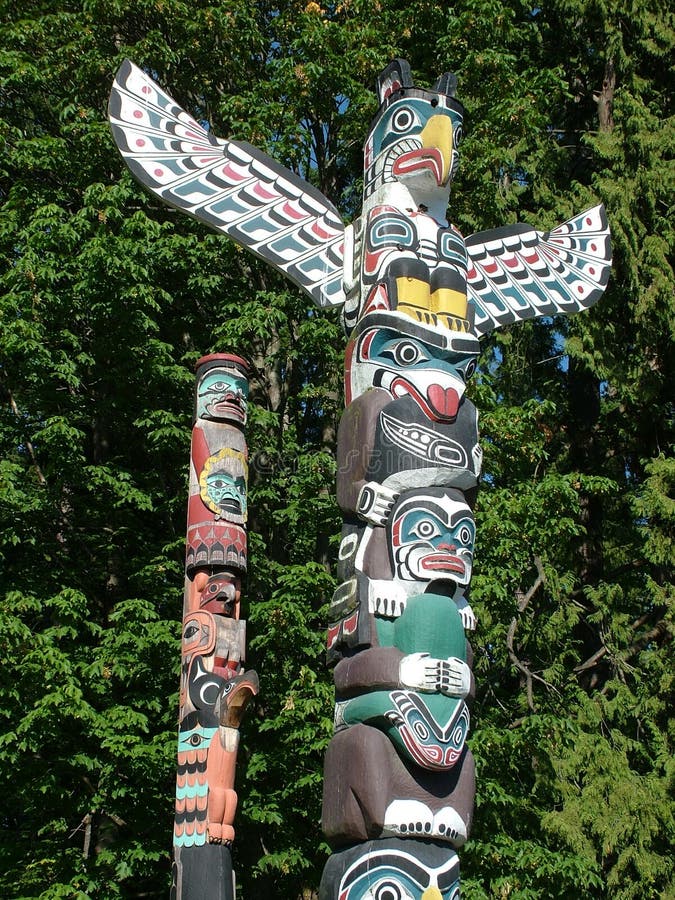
(230, 185)
(516, 272)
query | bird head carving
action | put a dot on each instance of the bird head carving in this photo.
(414, 138)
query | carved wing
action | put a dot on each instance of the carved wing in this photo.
(518, 273)
(230, 185)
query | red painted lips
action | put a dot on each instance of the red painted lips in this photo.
(443, 562)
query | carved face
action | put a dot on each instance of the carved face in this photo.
(431, 536)
(222, 395)
(220, 593)
(222, 389)
(222, 484)
(432, 365)
(224, 492)
(415, 138)
(391, 872)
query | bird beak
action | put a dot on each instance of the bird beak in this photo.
(432, 893)
(437, 135)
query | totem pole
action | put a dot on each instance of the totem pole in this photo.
(215, 689)
(416, 296)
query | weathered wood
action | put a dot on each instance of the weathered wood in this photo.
(215, 686)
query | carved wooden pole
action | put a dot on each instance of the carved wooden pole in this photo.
(215, 688)
(398, 778)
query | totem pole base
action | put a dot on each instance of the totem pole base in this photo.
(203, 873)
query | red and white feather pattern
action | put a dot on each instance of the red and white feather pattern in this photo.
(232, 186)
(516, 272)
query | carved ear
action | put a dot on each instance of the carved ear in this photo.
(446, 84)
(397, 75)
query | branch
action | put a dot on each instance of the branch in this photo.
(657, 631)
(523, 603)
(27, 441)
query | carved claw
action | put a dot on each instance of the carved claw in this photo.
(412, 818)
(466, 614)
(386, 597)
(221, 834)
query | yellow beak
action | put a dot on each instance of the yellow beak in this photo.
(432, 893)
(437, 133)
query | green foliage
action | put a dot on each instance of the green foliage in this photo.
(106, 301)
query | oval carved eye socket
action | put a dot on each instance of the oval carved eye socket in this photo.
(407, 354)
(421, 730)
(465, 535)
(388, 890)
(190, 631)
(402, 120)
(426, 529)
(470, 369)
(458, 135)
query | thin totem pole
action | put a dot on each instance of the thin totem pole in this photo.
(215, 688)
(416, 296)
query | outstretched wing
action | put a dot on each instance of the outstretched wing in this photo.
(230, 185)
(518, 273)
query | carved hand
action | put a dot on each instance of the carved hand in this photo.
(426, 673)
(466, 613)
(375, 502)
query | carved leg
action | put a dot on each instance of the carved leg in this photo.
(222, 798)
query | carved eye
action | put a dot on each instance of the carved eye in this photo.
(470, 369)
(402, 120)
(465, 535)
(407, 354)
(190, 631)
(458, 135)
(196, 739)
(389, 890)
(219, 386)
(426, 529)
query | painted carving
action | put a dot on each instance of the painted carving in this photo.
(416, 297)
(215, 687)
(388, 869)
(411, 154)
(216, 534)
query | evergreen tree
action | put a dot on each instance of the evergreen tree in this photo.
(106, 301)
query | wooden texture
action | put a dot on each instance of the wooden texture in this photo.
(215, 687)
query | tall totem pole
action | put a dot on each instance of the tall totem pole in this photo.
(416, 296)
(215, 688)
